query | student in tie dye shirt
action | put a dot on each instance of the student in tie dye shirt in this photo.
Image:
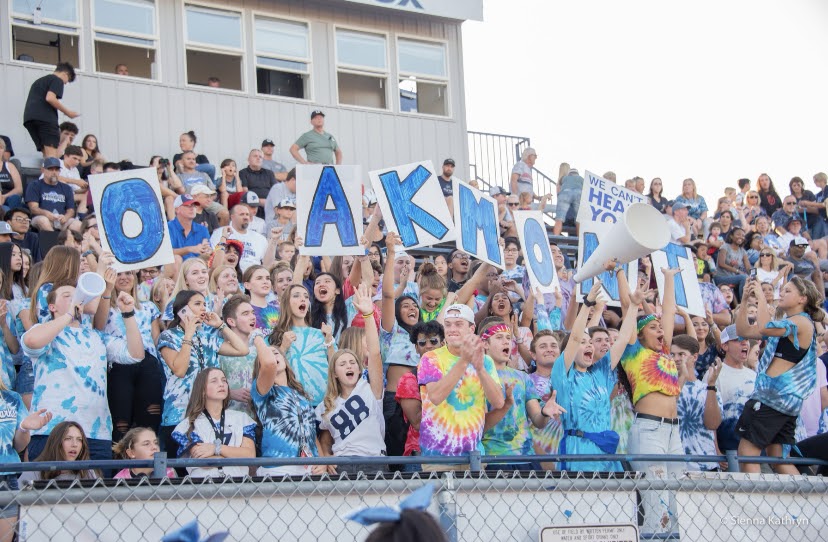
(71, 361)
(507, 428)
(239, 315)
(786, 374)
(193, 343)
(258, 285)
(655, 387)
(306, 348)
(545, 349)
(584, 383)
(285, 412)
(456, 382)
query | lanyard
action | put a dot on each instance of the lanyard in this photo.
(219, 431)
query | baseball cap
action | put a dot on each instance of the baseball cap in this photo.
(184, 199)
(288, 202)
(729, 334)
(317, 112)
(460, 311)
(498, 190)
(202, 189)
(449, 162)
(5, 229)
(369, 198)
(799, 242)
(51, 162)
(267, 142)
(795, 218)
(679, 205)
(251, 199)
(400, 254)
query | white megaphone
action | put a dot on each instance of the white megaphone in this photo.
(641, 231)
(90, 286)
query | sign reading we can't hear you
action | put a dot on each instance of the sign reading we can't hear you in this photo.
(131, 220)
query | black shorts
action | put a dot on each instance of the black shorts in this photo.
(44, 134)
(765, 426)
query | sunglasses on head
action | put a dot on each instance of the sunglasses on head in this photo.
(433, 341)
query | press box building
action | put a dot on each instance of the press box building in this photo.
(387, 73)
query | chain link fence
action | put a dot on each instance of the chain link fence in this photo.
(470, 506)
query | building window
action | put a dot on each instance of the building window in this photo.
(45, 32)
(362, 69)
(214, 47)
(282, 57)
(423, 77)
(125, 37)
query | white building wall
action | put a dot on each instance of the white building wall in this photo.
(136, 118)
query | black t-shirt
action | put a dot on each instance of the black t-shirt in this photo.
(37, 108)
(259, 182)
(208, 220)
(445, 185)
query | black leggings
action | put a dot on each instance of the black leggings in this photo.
(135, 395)
(396, 428)
(815, 447)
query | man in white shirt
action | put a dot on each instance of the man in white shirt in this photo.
(255, 244)
(735, 383)
(680, 224)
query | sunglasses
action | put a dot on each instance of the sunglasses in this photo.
(765, 254)
(514, 204)
(433, 341)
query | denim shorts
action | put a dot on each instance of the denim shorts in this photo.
(568, 203)
(8, 482)
(25, 378)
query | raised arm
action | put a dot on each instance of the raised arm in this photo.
(628, 328)
(467, 291)
(267, 366)
(668, 305)
(389, 318)
(579, 326)
(362, 302)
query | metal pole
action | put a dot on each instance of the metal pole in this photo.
(159, 465)
(732, 462)
(448, 507)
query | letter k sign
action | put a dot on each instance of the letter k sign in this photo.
(405, 212)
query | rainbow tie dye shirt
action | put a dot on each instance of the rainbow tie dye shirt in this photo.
(649, 371)
(455, 426)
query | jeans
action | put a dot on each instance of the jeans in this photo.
(652, 437)
(12, 202)
(135, 395)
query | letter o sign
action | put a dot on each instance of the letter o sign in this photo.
(133, 221)
(537, 251)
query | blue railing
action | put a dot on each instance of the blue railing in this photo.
(474, 460)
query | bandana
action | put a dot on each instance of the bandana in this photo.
(646, 320)
(497, 328)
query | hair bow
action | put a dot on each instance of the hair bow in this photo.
(189, 533)
(419, 500)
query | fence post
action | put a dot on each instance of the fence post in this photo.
(475, 465)
(447, 500)
(732, 463)
(159, 465)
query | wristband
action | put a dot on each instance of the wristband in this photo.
(87, 253)
(369, 315)
(328, 344)
(589, 303)
(187, 342)
(129, 314)
(106, 297)
(22, 429)
(223, 326)
(711, 388)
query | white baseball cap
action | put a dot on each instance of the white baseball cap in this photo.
(461, 311)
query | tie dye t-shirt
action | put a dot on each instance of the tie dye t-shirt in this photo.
(695, 437)
(511, 435)
(308, 358)
(455, 426)
(268, 316)
(239, 373)
(207, 340)
(396, 347)
(649, 371)
(288, 421)
(70, 378)
(585, 395)
(143, 317)
(548, 439)
(12, 414)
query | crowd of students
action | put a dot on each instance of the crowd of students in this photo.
(243, 348)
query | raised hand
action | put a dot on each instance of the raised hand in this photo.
(552, 409)
(36, 420)
(610, 264)
(594, 291)
(126, 303)
(362, 300)
(212, 319)
(510, 396)
(190, 324)
(671, 272)
(712, 374)
(326, 331)
(288, 338)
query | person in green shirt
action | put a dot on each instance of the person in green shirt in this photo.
(320, 147)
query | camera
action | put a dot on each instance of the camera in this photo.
(164, 162)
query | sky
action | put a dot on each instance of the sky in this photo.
(709, 89)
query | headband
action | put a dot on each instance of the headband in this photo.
(646, 320)
(497, 328)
